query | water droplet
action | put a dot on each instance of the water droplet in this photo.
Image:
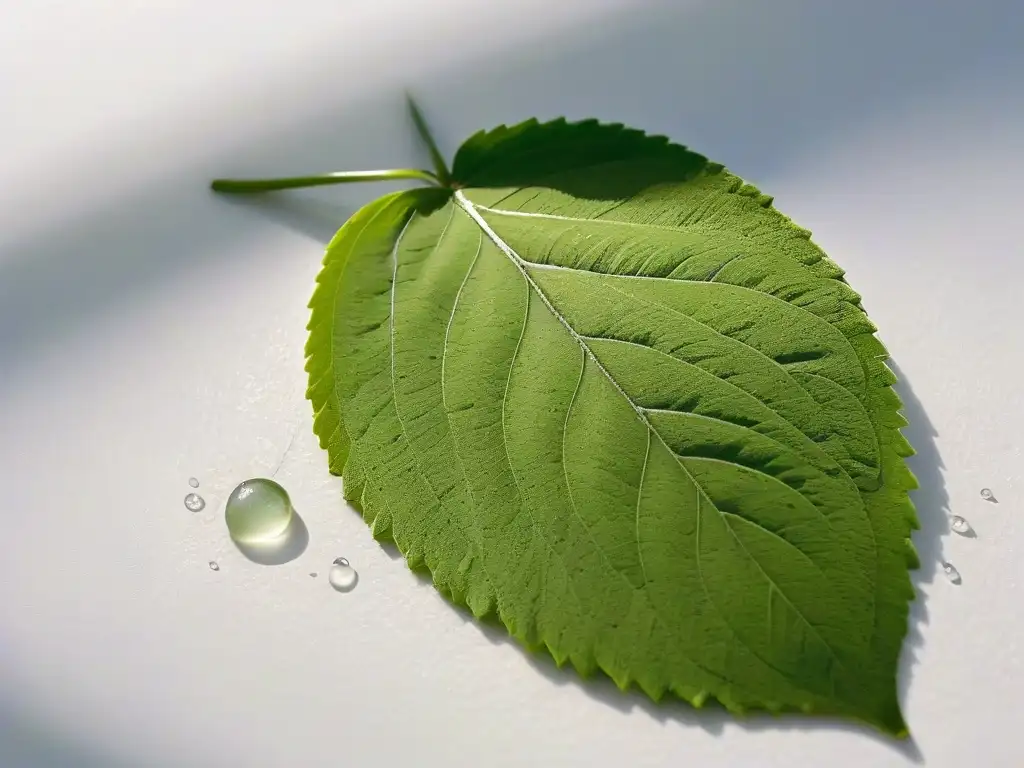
(960, 525)
(258, 512)
(195, 502)
(951, 573)
(214, 566)
(194, 482)
(313, 575)
(987, 495)
(343, 577)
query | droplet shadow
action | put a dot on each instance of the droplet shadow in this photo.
(970, 533)
(283, 549)
(952, 574)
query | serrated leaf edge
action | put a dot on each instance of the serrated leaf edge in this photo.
(330, 430)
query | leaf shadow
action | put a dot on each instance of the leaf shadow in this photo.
(931, 501)
(712, 718)
(302, 213)
(391, 550)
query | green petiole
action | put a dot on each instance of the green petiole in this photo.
(242, 186)
(441, 176)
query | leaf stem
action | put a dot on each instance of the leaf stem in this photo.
(440, 167)
(245, 186)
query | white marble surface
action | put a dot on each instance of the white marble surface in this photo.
(150, 332)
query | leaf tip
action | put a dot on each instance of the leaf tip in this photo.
(887, 717)
(898, 727)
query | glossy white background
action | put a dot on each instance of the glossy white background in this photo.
(149, 332)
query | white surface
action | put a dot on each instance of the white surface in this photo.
(149, 332)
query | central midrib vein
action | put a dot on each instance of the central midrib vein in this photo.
(501, 245)
(493, 236)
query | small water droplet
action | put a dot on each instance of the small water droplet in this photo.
(214, 566)
(951, 573)
(987, 495)
(313, 575)
(195, 502)
(258, 511)
(343, 577)
(194, 482)
(960, 525)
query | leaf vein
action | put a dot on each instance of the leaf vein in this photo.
(769, 296)
(565, 428)
(639, 498)
(617, 222)
(504, 402)
(725, 382)
(773, 534)
(451, 318)
(519, 263)
(394, 284)
(333, 317)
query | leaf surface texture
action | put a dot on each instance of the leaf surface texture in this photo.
(604, 391)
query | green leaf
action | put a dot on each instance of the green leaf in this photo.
(602, 389)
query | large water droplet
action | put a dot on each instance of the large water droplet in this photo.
(258, 511)
(987, 495)
(343, 577)
(960, 525)
(194, 482)
(214, 566)
(951, 573)
(195, 502)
